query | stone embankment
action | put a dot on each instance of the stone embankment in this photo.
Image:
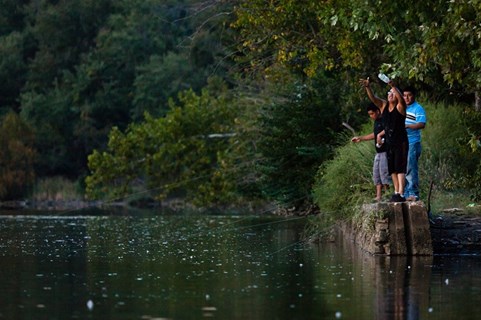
(391, 229)
(406, 229)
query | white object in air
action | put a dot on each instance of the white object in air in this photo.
(383, 77)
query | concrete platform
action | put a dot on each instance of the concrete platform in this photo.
(391, 229)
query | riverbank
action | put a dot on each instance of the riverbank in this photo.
(171, 205)
(52, 205)
(455, 231)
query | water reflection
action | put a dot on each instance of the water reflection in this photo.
(191, 267)
(419, 287)
(400, 284)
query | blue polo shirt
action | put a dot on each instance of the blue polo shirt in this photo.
(414, 113)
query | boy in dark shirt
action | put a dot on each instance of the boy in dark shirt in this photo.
(380, 174)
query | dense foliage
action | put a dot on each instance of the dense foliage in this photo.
(74, 69)
(126, 92)
(402, 38)
(434, 45)
(173, 156)
(297, 135)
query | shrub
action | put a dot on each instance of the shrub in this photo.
(447, 158)
(345, 181)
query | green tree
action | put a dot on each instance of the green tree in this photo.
(92, 65)
(284, 131)
(435, 43)
(296, 136)
(12, 16)
(52, 118)
(306, 35)
(160, 79)
(59, 32)
(12, 69)
(17, 157)
(176, 155)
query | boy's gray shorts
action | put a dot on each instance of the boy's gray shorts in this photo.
(380, 174)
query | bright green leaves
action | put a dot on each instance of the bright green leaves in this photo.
(177, 155)
(307, 35)
(427, 41)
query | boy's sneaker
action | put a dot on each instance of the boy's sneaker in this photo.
(394, 198)
(397, 198)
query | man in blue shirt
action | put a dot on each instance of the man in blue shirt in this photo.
(415, 121)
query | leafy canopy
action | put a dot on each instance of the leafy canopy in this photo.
(170, 156)
(434, 42)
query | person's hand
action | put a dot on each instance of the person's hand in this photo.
(364, 82)
(356, 139)
(379, 140)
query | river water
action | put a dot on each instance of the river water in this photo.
(159, 266)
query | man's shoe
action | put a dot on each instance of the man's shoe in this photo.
(412, 198)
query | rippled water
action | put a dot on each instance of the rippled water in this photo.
(225, 267)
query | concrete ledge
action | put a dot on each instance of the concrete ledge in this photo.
(391, 229)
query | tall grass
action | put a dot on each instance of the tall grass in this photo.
(346, 181)
(56, 189)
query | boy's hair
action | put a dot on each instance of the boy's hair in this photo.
(411, 89)
(372, 107)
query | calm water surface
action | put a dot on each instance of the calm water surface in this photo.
(224, 267)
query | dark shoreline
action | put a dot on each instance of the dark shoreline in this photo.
(124, 207)
(43, 205)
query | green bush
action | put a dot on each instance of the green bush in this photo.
(173, 156)
(345, 181)
(447, 159)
